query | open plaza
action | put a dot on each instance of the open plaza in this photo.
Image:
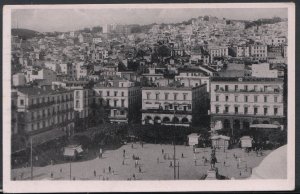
(155, 162)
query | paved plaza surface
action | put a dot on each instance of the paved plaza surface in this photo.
(152, 164)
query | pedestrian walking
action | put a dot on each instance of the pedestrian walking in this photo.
(51, 175)
(95, 174)
(22, 174)
(240, 173)
(109, 169)
(142, 144)
(133, 176)
(171, 164)
(238, 165)
(140, 170)
(195, 162)
(224, 163)
(157, 160)
(162, 151)
(103, 170)
(123, 162)
(181, 155)
(132, 146)
(74, 178)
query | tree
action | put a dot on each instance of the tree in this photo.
(140, 53)
(121, 67)
(97, 29)
(163, 51)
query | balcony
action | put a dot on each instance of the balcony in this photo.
(246, 115)
(40, 105)
(221, 90)
(162, 111)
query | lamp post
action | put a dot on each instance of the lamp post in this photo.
(31, 165)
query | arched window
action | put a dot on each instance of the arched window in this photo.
(266, 122)
(236, 124)
(166, 119)
(175, 120)
(226, 124)
(185, 120)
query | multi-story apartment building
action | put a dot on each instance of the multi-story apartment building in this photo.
(240, 51)
(217, 51)
(44, 114)
(193, 77)
(122, 98)
(83, 99)
(180, 106)
(259, 51)
(240, 102)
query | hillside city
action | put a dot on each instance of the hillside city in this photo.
(216, 85)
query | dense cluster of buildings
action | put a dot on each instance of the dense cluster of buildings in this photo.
(189, 75)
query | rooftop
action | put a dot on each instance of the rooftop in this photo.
(245, 79)
(35, 91)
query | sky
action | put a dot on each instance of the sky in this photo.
(47, 20)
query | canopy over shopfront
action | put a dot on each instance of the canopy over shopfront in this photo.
(73, 150)
(273, 166)
(265, 126)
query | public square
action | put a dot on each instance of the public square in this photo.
(153, 164)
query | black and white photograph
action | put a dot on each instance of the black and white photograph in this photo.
(149, 97)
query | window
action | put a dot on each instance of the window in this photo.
(255, 87)
(184, 96)
(217, 109)
(115, 103)
(157, 96)
(217, 98)
(77, 94)
(265, 88)
(115, 93)
(122, 93)
(246, 98)
(226, 109)
(275, 111)
(255, 98)
(246, 87)
(236, 98)
(275, 98)
(175, 96)
(107, 102)
(148, 96)
(171, 106)
(217, 87)
(265, 98)
(226, 98)
(226, 87)
(236, 110)
(265, 111)
(166, 96)
(107, 93)
(245, 110)
(77, 103)
(255, 110)
(236, 87)
(122, 102)
(21, 102)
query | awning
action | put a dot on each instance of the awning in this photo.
(69, 152)
(220, 137)
(265, 126)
